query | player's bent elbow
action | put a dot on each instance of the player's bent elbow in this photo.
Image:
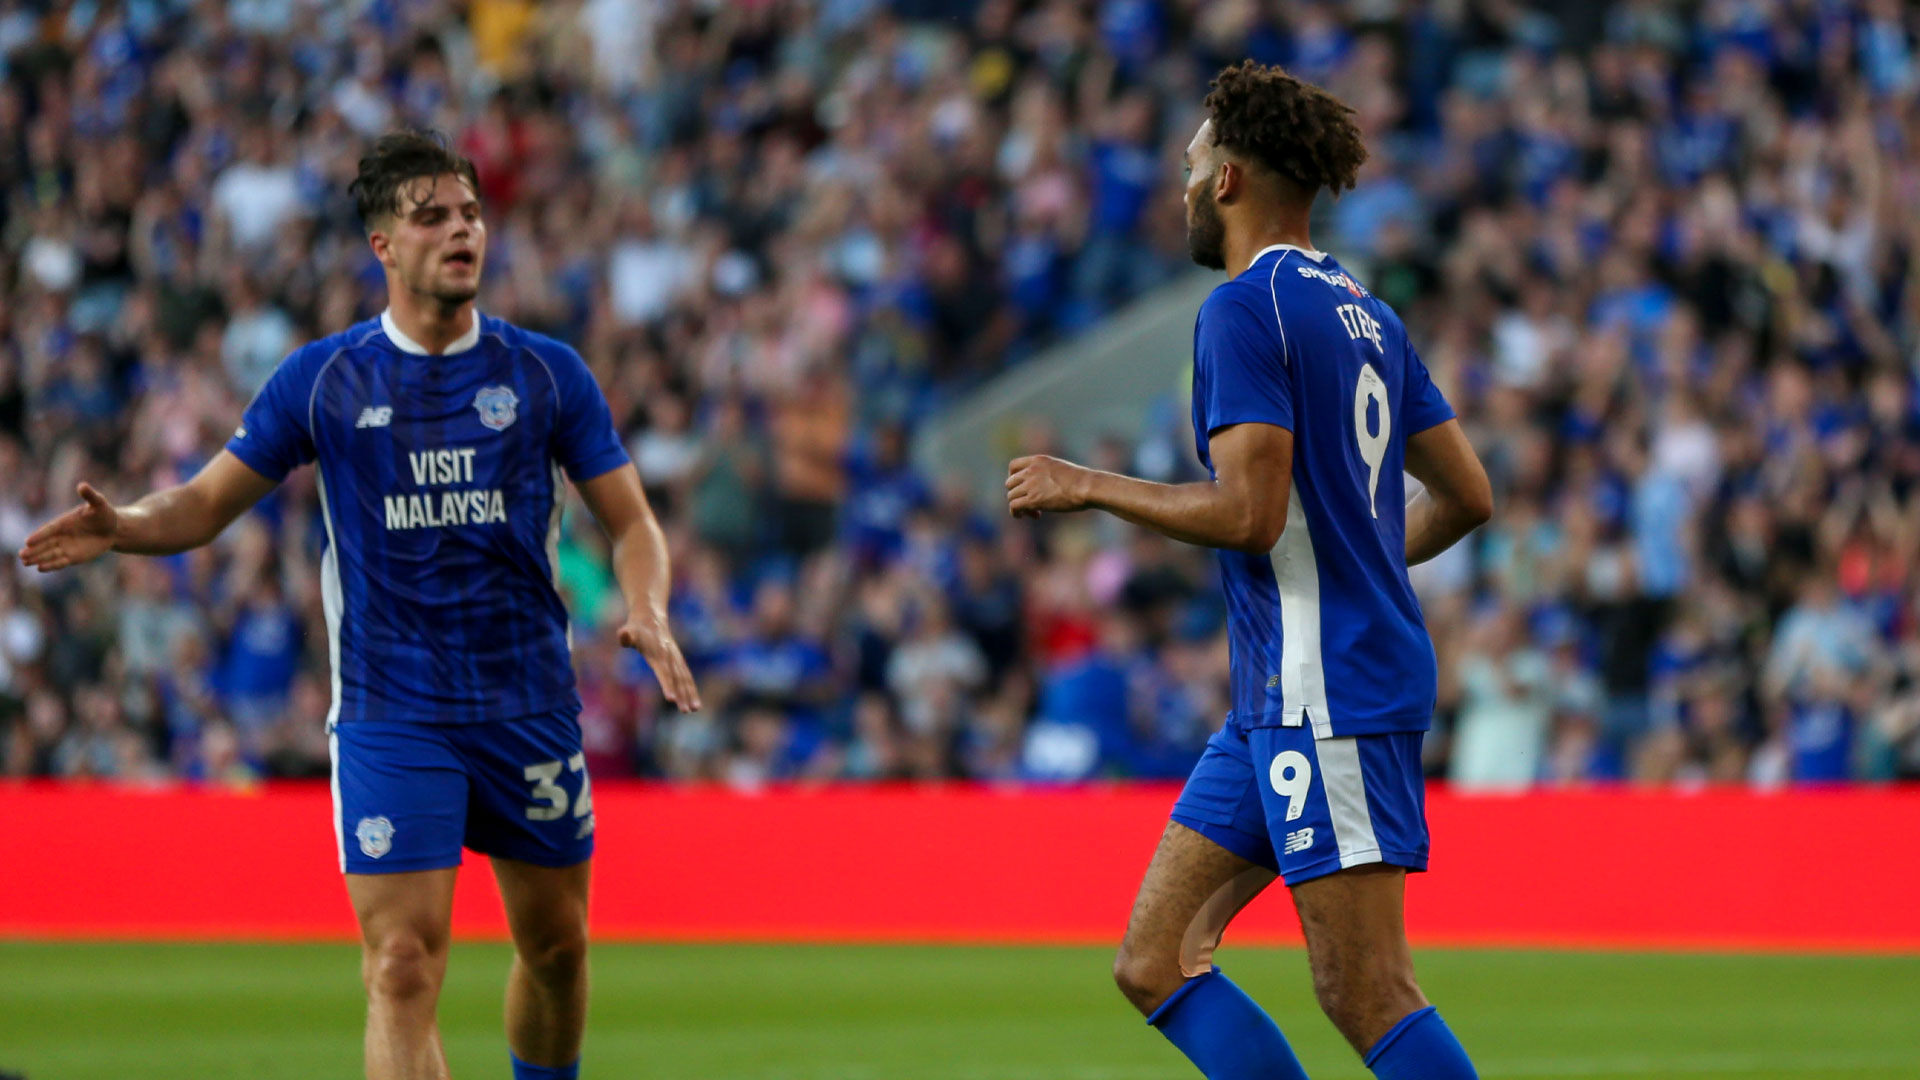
(1259, 537)
(1477, 508)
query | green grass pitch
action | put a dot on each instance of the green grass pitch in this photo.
(729, 1012)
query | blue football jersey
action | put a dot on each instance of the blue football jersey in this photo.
(1325, 629)
(440, 480)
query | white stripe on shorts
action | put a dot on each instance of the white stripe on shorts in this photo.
(1347, 800)
(339, 826)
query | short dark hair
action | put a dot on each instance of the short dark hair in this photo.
(398, 157)
(1292, 127)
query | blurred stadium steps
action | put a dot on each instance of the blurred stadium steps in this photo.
(1107, 381)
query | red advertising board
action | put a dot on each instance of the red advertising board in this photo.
(1719, 869)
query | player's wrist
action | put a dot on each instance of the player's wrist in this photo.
(1083, 485)
(643, 621)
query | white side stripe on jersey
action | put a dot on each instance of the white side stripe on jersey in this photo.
(330, 601)
(553, 521)
(331, 597)
(1296, 573)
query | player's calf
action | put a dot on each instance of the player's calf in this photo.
(1366, 996)
(403, 973)
(547, 989)
(1363, 975)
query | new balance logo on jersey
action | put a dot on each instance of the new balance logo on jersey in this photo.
(375, 416)
(1297, 840)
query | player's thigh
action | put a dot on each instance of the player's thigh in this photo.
(417, 904)
(1213, 858)
(1192, 889)
(531, 800)
(400, 793)
(406, 922)
(1355, 918)
(546, 909)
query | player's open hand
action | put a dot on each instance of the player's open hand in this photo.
(1040, 483)
(653, 641)
(80, 535)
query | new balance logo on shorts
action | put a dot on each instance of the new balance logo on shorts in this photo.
(1297, 840)
(375, 416)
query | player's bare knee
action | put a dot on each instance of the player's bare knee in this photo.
(556, 959)
(1146, 976)
(402, 967)
(1334, 992)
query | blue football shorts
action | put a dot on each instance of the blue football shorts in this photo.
(1306, 807)
(409, 796)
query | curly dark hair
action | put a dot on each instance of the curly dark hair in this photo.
(398, 157)
(1292, 127)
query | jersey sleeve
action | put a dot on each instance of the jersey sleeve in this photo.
(1425, 406)
(274, 437)
(1244, 365)
(584, 441)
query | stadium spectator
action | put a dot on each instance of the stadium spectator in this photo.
(1666, 269)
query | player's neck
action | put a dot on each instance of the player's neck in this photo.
(428, 323)
(1242, 249)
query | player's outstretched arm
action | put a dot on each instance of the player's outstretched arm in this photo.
(162, 523)
(640, 565)
(1244, 507)
(1458, 498)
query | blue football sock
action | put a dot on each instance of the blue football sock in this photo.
(1223, 1032)
(1420, 1047)
(524, 1071)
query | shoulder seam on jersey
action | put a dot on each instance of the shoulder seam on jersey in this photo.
(1274, 293)
(495, 335)
(313, 392)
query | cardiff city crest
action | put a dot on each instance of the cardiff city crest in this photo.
(496, 405)
(375, 835)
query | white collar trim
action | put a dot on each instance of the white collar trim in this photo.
(1316, 256)
(407, 345)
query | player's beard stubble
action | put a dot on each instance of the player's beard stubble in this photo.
(437, 287)
(1207, 232)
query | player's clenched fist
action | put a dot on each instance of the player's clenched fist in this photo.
(82, 534)
(1040, 483)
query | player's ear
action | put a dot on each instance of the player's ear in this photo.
(1228, 179)
(382, 247)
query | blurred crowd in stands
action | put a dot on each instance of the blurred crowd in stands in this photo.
(1661, 256)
